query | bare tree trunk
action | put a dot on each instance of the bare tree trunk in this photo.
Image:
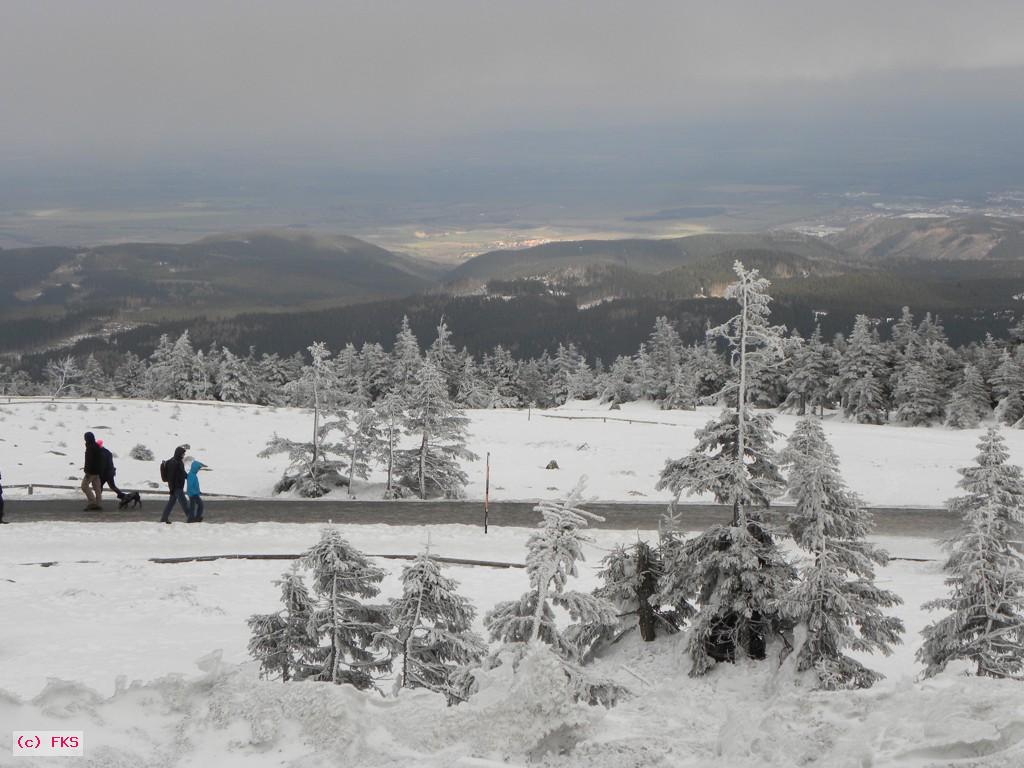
(391, 452)
(352, 466)
(316, 430)
(644, 591)
(423, 465)
(335, 642)
(739, 515)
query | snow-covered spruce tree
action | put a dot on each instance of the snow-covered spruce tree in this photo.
(392, 417)
(682, 394)
(281, 642)
(311, 469)
(432, 630)
(444, 355)
(573, 378)
(181, 369)
(440, 428)
(342, 575)
(235, 383)
(406, 360)
(130, 376)
(618, 385)
(985, 623)
(375, 365)
(631, 579)
(362, 442)
(836, 601)
(94, 381)
(1008, 388)
(158, 372)
(918, 395)
(552, 553)
(810, 371)
(664, 355)
(472, 392)
(862, 373)
(970, 402)
(738, 572)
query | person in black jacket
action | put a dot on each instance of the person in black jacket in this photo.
(108, 470)
(176, 484)
(92, 486)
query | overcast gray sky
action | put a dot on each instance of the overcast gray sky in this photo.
(119, 79)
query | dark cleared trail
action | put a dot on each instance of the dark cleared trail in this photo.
(888, 521)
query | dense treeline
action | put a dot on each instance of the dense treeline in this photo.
(902, 371)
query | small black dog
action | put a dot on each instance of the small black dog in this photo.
(132, 498)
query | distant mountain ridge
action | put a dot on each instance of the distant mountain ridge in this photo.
(638, 255)
(965, 238)
(246, 286)
(220, 273)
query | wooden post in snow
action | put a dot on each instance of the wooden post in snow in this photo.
(487, 490)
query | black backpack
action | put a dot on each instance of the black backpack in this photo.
(108, 463)
(164, 474)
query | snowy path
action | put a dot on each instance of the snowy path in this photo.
(623, 517)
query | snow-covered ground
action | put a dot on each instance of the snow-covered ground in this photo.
(130, 633)
(124, 617)
(41, 442)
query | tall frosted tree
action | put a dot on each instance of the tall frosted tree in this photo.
(130, 376)
(664, 350)
(985, 620)
(860, 383)
(282, 642)
(1008, 388)
(682, 394)
(392, 418)
(341, 576)
(553, 551)
(182, 369)
(444, 355)
(311, 466)
(441, 432)
(918, 395)
(158, 373)
(405, 360)
(970, 402)
(836, 601)
(432, 632)
(810, 371)
(472, 391)
(362, 442)
(737, 571)
(94, 381)
(618, 385)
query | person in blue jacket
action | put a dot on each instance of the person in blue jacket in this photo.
(195, 495)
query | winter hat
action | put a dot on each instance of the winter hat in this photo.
(99, 443)
(90, 437)
(179, 452)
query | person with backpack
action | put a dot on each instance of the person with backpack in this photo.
(195, 495)
(172, 472)
(108, 470)
(92, 486)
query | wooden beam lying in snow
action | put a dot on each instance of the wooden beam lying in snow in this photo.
(209, 558)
